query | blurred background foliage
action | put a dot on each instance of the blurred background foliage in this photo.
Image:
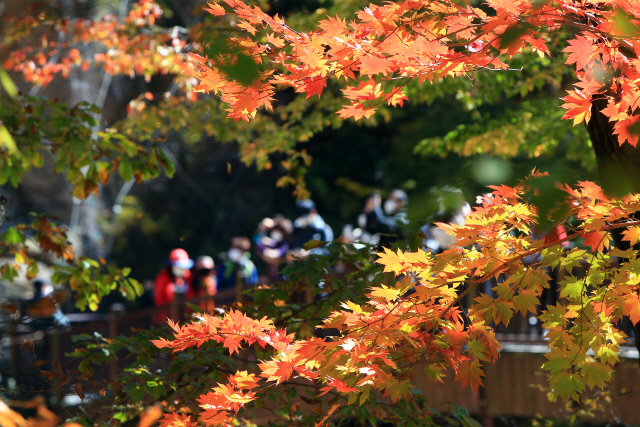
(492, 128)
(488, 129)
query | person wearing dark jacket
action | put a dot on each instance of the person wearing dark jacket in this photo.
(384, 221)
(272, 243)
(308, 226)
(236, 264)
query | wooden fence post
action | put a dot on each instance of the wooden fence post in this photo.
(308, 295)
(13, 346)
(115, 312)
(176, 309)
(239, 286)
(56, 358)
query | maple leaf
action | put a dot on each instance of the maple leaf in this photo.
(338, 385)
(314, 86)
(578, 106)
(504, 191)
(581, 51)
(598, 240)
(565, 385)
(277, 42)
(356, 110)
(283, 372)
(372, 65)
(385, 292)
(596, 374)
(631, 235)
(177, 420)
(470, 372)
(215, 9)
(365, 91)
(333, 26)
(242, 379)
(502, 310)
(558, 361)
(627, 130)
(214, 416)
(632, 307)
(393, 262)
(233, 344)
(395, 98)
(526, 301)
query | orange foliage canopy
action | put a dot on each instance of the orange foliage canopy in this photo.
(418, 321)
(432, 40)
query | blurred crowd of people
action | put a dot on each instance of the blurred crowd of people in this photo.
(279, 240)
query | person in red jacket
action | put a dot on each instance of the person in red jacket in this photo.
(174, 279)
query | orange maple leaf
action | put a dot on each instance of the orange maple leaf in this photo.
(233, 344)
(627, 130)
(215, 9)
(470, 372)
(581, 51)
(333, 26)
(632, 306)
(372, 65)
(631, 235)
(356, 110)
(578, 106)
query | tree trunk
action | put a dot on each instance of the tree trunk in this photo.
(618, 166)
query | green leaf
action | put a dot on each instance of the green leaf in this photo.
(502, 311)
(126, 170)
(566, 385)
(13, 236)
(7, 140)
(167, 164)
(557, 362)
(7, 83)
(571, 288)
(526, 301)
(596, 374)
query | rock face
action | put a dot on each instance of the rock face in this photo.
(41, 190)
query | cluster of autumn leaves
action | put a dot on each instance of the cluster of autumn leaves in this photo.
(418, 323)
(388, 45)
(123, 49)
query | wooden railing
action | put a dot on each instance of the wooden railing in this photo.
(517, 372)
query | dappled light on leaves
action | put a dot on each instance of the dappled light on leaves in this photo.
(418, 320)
(423, 40)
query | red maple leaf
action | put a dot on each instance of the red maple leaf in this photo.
(598, 240)
(314, 85)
